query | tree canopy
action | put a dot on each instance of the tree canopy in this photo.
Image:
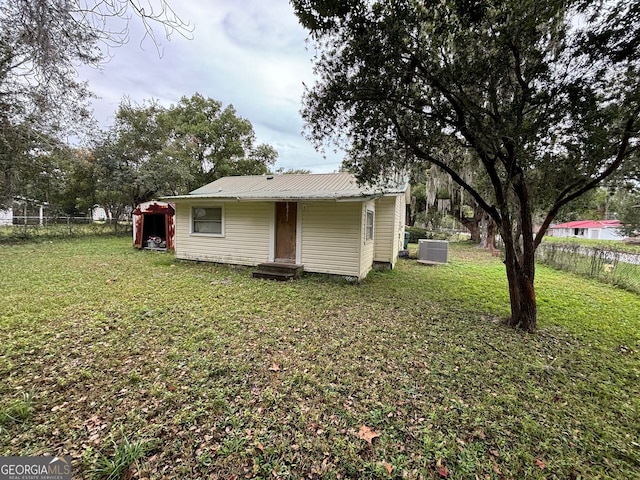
(152, 150)
(41, 44)
(545, 96)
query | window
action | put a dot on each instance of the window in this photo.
(369, 230)
(207, 220)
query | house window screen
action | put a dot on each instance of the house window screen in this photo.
(369, 231)
(207, 220)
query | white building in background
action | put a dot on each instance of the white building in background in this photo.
(591, 229)
(6, 216)
(98, 214)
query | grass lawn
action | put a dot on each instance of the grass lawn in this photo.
(122, 358)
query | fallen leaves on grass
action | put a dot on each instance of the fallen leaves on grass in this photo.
(540, 463)
(443, 471)
(274, 367)
(368, 434)
(196, 374)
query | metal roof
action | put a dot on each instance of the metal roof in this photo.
(590, 224)
(316, 186)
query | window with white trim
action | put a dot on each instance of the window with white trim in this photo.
(369, 228)
(206, 220)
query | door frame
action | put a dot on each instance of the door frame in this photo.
(272, 240)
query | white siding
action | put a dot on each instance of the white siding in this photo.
(331, 235)
(367, 246)
(400, 212)
(592, 233)
(611, 234)
(247, 233)
(385, 229)
(389, 228)
(561, 232)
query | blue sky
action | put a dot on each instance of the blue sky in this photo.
(249, 53)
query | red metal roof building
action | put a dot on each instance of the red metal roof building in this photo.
(592, 229)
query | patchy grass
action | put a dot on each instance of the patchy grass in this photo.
(224, 376)
(16, 411)
(125, 458)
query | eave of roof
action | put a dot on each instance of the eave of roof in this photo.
(289, 187)
(248, 198)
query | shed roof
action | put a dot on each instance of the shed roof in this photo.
(314, 186)
(154, 206)
(589, 224)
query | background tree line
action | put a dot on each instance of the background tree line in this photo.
(149, 151)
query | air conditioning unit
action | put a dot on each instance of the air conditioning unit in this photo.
(433, 251)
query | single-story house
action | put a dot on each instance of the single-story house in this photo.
(326, 223)
(592, 229)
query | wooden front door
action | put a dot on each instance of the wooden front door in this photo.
(286, 220)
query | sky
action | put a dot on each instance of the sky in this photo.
(252, 54)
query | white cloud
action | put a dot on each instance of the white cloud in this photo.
(251, 54)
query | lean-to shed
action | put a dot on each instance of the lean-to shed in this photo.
(323, 223)
(154, 225)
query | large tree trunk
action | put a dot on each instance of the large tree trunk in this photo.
(474, 229)
(488, 233)
(490, 240)
(520, 262)
(408, 217)
(521, 292)
(472, 223)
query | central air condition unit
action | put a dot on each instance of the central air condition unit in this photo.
(433, 251)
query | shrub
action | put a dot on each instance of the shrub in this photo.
(418, 233)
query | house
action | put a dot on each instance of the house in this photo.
(591, 229)
(325, 223)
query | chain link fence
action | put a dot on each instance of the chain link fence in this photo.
(608, 264)
(50, 220)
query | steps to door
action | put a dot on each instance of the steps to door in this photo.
(278, 271)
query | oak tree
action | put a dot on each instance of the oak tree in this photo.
(42, 42)
(544, 94)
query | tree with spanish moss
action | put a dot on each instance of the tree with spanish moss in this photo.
(545, 95)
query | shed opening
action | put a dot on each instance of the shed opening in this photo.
(154, 230)
(154, 226)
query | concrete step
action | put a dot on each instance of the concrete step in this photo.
(281, 277)
(278, 271)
